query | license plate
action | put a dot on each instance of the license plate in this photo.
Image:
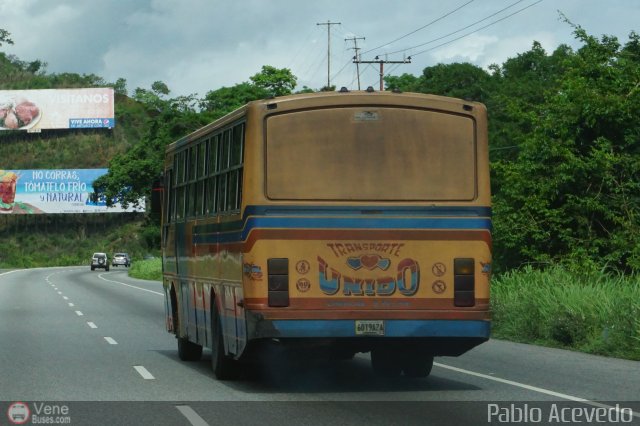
(369, 327)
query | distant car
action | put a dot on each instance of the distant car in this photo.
(99, 260)
(121, 259)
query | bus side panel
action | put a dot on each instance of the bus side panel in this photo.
(202, 316)
(230, 308)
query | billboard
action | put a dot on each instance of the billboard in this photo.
(34, 110)
(53, 191)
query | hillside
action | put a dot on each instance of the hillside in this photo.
(69, 239)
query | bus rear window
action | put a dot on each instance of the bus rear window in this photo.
(369, 154)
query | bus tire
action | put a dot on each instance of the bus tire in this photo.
(417, 365)
(188, 351)
(224, 367)
(385, 362)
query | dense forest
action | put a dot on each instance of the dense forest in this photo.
(564, 137)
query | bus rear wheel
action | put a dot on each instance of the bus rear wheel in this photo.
(188, 351)
(224, 367)
(417, 365)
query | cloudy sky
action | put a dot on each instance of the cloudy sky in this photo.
(199, 45)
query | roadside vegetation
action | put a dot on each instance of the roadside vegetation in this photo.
(590, 311)
(564, 148)
(69, 240)
(147, 269)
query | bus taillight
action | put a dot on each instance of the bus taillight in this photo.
(464, 282)
(278, 270)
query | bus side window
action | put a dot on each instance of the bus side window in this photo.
(192, 165)
(222, 178)
(222, 191)
(212, 168)
(168, 209)
(214, 149)
(211, 190)
(180, 184)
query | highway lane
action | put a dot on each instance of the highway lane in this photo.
(72, 335)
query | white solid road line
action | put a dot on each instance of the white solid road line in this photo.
(110, 340)
(529, 387)
(143, 372)
(129, 285)
(191, 415)
(92, 325)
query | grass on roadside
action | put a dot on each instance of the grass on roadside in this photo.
(150, 269)
(596, 313)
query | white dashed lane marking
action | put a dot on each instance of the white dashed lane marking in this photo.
(191, 415)
(143, 372)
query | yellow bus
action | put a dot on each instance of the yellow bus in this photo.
(342, 221)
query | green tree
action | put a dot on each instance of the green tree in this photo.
(160, 88)
(518, 87)
(132, 173)
(120, 87)
(5, 37)
(405, 82)
(226, 99)
(278, 82)
(573, 192)
(459, 80)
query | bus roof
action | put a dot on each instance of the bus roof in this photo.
(320, 99)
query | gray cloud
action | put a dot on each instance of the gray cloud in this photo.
(200, 45)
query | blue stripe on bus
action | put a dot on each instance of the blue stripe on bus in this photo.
(339, 211)
(242, 232)
(392, 328)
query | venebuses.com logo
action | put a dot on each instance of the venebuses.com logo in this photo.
(18, 413)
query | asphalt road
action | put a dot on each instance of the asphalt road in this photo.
(91, 348)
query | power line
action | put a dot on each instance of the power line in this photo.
(342, 69)
(421, 28)
(459, 30)
(356, 56)
(302, 46)
(382, 62)
(479, 29)
(329, 24)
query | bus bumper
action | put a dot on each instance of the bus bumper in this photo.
(392, 328)
(439, 337)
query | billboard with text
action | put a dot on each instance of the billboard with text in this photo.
(34, 110)
(53, 191)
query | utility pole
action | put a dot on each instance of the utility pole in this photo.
(328, 24)
(377, 60)
(356, 57)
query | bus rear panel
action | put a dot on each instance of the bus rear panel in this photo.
(364, 225)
